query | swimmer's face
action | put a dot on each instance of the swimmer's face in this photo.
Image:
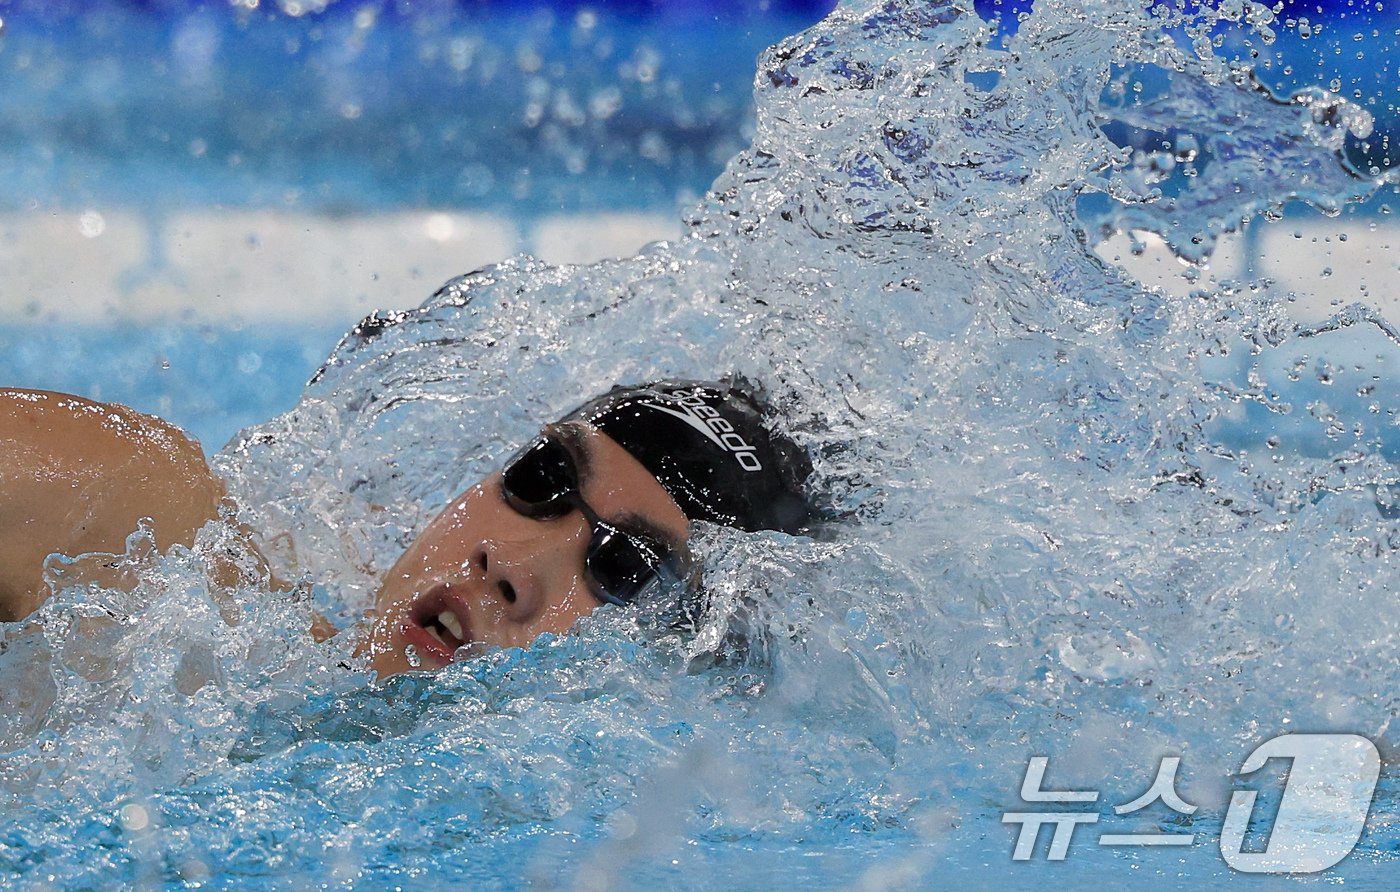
(485, 575)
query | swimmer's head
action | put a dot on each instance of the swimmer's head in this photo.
(595, 509)
(707, 445)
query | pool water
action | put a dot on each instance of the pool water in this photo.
(253, 181)
(1081, 516)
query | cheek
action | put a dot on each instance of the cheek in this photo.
(458, 514)
(447, 541)
(568, 607)
(463, 521)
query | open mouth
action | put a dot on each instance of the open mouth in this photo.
(438, 624)
(446, 628)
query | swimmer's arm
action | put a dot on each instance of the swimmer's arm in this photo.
(322, 629)
(76, 476)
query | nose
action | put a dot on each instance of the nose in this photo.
(521, 573)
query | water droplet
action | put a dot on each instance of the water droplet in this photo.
(133, 817)
(91, 224)
(250, 362)
(439, 227)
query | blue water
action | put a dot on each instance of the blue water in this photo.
(367, 107)
(1061, 539)
(191, 105)
(161, 107)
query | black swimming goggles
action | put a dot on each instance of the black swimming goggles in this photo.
(541, 482)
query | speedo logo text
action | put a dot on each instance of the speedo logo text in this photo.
(695, 412)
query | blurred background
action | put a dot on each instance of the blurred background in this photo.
(197, 199)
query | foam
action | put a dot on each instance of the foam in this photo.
(1053, 542)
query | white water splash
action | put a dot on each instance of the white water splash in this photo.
(1046, 546)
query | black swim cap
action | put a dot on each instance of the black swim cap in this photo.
(707, 445)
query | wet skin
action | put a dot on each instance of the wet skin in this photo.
(485, 575)
(77, 475)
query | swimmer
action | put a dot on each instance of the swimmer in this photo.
(594, 510)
